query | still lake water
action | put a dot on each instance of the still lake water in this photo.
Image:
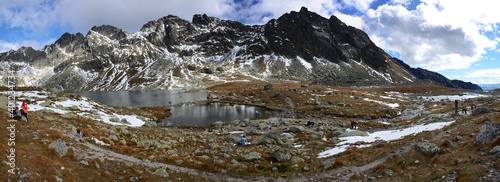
(183, 109)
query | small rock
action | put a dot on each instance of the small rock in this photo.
(268, 87)
(274, 169)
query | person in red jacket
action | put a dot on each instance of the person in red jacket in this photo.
(24, 110)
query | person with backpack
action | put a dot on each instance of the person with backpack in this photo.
(243, 141)
(24, 110)
(15, 114)
(354, 124)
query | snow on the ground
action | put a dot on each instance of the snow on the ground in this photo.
(81, 108)
(388, 135)
(462, 96)
(391, 105)
(99, 142)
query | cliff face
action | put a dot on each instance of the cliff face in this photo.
(172, 52)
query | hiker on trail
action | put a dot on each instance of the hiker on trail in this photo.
(354, 124)
(464, 110)
(243, 141)
(15, 114)
(24, 110)
(472, 107)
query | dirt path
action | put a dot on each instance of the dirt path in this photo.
(98, 152)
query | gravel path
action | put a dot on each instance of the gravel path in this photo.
(110, 155)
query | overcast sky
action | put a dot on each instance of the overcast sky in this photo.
(457, 38)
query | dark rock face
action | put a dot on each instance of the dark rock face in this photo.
(308, 35)
(298, 46)
(465, 85)
(68, 39)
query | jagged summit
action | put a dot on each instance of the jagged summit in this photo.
(173, 52)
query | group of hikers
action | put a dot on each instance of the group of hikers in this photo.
(19, 113)
(472, 107)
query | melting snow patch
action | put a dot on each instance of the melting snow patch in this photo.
(236, 132)
(75, 106)
(133, 120)
(388, 135)
(391, 105)
(99, 142)
(306, 64)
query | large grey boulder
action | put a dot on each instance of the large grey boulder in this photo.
(272, 138)
(496, 152)
(160, 172)
(488, 133)
(150, 124)
(60, 147)
(296, 129)
(328, 163)
(426, 148)
(251, 157)
(281, 155)
(480, 110)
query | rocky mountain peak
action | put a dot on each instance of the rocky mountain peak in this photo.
(203, 19)
(69, 39)
(109, 31)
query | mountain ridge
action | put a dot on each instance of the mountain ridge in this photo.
(172, 52)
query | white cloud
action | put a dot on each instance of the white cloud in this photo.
(354, 21)
(430, 36)
(361, 5)
(34, 18)
(260, 12)
(7, 46)
(484, 76)
(130, 15)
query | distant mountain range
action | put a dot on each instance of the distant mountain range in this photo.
(172, 52)
(489, 86)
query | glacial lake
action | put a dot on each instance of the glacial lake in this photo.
(187, 108)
